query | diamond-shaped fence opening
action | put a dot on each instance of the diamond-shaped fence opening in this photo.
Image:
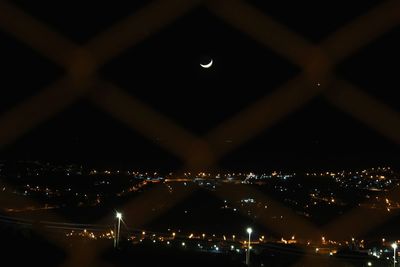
(317, 62)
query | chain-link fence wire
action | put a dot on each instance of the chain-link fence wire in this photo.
(317, 62)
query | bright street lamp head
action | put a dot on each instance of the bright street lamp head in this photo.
(394, 245)
(119, 215)
(249, 230)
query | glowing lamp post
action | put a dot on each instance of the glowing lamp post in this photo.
(249, 231)
(119, 217)
(394, 246)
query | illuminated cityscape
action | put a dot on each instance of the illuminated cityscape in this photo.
(316, 196)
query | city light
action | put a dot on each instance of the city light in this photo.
(249, 231)
(116, 240)
(394, 246)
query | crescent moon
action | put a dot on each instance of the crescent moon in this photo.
(206, 66)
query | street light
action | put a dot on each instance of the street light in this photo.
(119, 217)
(394, 246)
(249, 231)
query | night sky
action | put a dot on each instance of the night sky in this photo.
(163, 71)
